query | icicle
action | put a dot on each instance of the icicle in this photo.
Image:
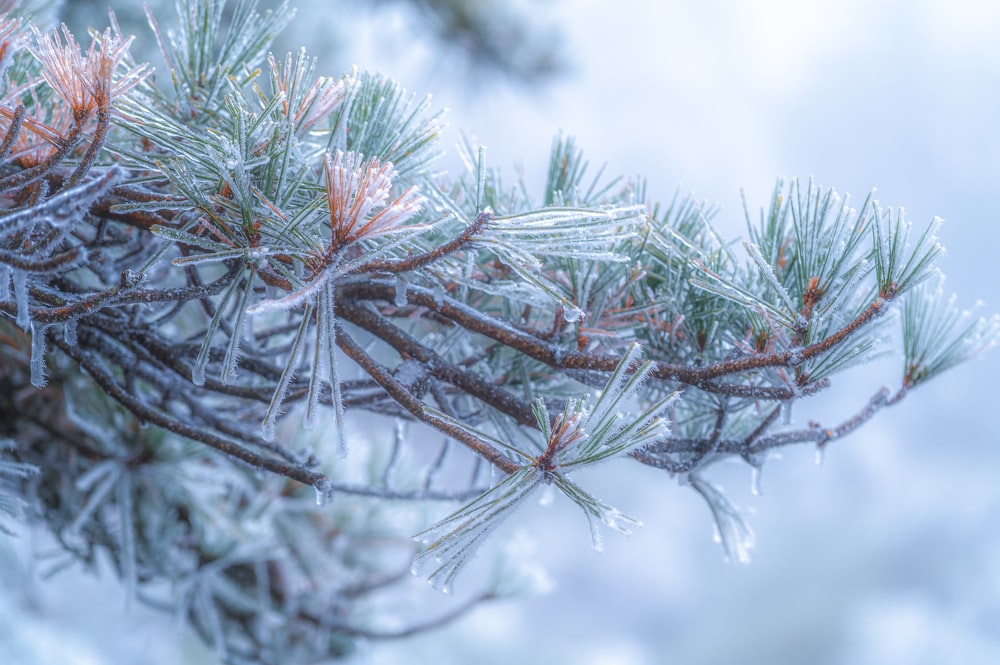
(434, 467)
(786, 413)
(399, 431)
(21, 297)
(69, 332)
(755, 481)
(269, 429)
(324, 491)
(198, 374)
(249, 336)
(38, 378)
(398, 439)
(820, 454)
(401, 286)
(596, 537)
(338, 405)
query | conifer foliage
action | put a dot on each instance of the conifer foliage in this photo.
(209, 270)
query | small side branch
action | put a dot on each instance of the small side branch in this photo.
(426, 258)
(406, 345)
(663, 454)
(411, 403)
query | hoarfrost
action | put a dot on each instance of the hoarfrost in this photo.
(557, 356)
(63, 207)
(795, 357)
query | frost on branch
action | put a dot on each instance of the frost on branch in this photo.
(183, 261)
(578, 437)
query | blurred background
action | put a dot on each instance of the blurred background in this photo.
(888, 552)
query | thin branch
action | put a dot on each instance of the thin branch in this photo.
(657, 455)
(22, 179)
(408, 346)
(12, 130)
(704, 378)
(422, 260)
(123, 396)
(411, 403)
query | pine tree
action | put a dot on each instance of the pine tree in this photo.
(253, 341)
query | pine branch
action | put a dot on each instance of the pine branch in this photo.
(257, 240)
